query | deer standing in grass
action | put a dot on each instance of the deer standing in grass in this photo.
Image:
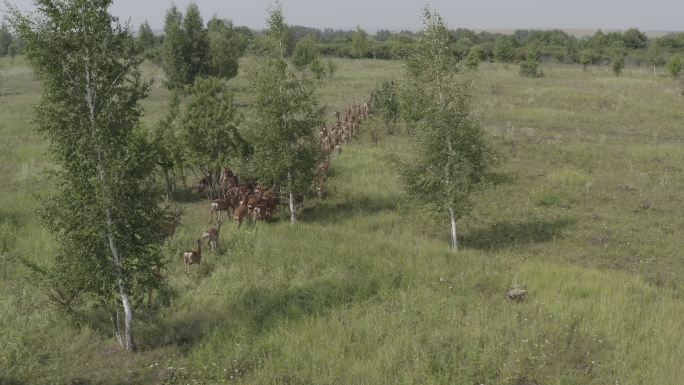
(218, 205)
(241, 212)
(212, 234)
(193, 257)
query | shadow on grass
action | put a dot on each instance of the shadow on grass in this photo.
(189, 195)
(330, 211)
(256, 311)
(513, 234)
(499, 178)
(10, 381)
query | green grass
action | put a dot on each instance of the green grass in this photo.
(584, 212)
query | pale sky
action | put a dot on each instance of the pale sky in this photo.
(652, 15)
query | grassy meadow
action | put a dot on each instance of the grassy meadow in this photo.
(585, 211)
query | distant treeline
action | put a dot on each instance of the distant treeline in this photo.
(547, 45)
(553, 45)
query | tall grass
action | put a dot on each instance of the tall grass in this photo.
(584, 213)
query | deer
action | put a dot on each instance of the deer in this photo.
(158, 277)
(323, 167)
(228, 178)
(193, 257)
(241, 212)
(204, 185)
(218, 205)
(170, 221)
(212, 234)
(168, 228)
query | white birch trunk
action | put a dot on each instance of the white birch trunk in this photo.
(126, 341)
(293, 219)
(454, 237)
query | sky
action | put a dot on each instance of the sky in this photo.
(371, 15)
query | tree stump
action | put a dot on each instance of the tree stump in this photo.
(516, 295)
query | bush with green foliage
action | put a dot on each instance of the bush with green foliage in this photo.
(146, 38)
(226, 45)
(586, 57)
(176, 62)
(655, 55)
(618, 63)
(472, 60)
(359, 43)
(303, 54)
(167, 146)
(317, 68)
(504, 49)
(675, 65)
(462, 46)
(191, 50)
(330, 67)
(634, 39)
(386, 104)
(210, 127)
(530, 69)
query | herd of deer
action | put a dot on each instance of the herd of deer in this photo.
(258, 202)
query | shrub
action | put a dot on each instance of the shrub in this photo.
(303, 54)
(331, 68)
(675, 66)
(317, 68)
(618, 63)
(472, 60)
(586, 57)
(530, 69)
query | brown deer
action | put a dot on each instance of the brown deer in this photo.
(159, 278)
(228, 179)
(212, 234)
(204, 185)
(193, 257)
(218, 205)
(241, 212)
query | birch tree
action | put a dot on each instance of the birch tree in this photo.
(209, 128)
(168, 146)
(279, 39)
(105, 212)
(449, 152)
(284, 116)
(173, 50)
(386, 102)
